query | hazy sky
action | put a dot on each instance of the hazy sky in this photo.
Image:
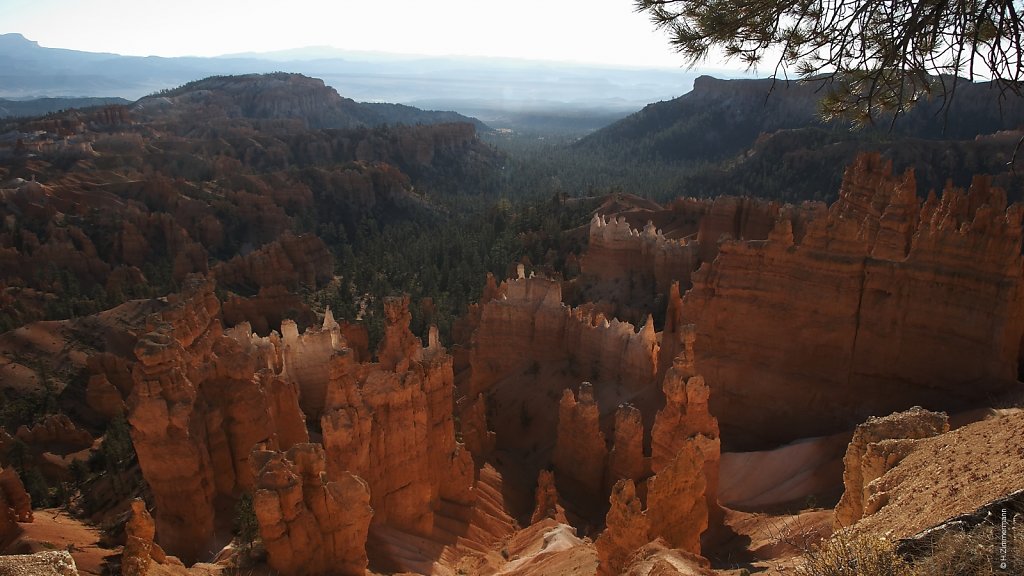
(595, 31)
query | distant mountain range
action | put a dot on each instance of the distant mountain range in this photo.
(750, 136)
(488, 88)
(721, 118)
(40, 106)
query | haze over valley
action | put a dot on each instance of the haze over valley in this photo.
(542, 96)
(495, 291)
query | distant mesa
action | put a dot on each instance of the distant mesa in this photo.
(722, 118)
(282, 95)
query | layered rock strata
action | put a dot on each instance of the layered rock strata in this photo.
(882, 288)
(676, 511)
(633, 258)
(199, 402)
(392, 424)
(580, 455)
(626, 264)
(312, 522)
(877, 446)
(527, 322)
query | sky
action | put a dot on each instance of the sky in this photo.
(587, 31)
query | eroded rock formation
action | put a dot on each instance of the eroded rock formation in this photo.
(634, 258)
(877, 446)
(267, 309)
(686, 419)
(676, 511)
(581, 454)
(626, 264)
(626, 529)
(626, 458)
(290, 261)
(677, 498)
(874, 291)
(15, 505)
(312, 522)
(198, 404)
(392, 424)
(546, 498)
(527, 322)
(139, 549)
(56, 434)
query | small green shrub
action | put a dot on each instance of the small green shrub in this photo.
(245, 523)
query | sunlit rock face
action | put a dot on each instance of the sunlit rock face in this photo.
(311, 522)
(805, 335)
(201, 397)
(200, 401)
(676, 510)
(805, 315)
(878, 445)
(528, 322)
(392, 424)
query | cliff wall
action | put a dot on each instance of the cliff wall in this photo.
(199, 402)
(800, 338)
(527, 322)
(392, 424)
(634, 258)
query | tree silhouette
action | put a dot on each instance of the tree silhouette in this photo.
(877, 56)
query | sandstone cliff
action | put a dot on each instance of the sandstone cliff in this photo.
(606, 431)
(197, 406)
(581, 454)
(201, 398)
(634, 257)
(799, 334)
(528, 350)
(527, 322)
(312, 522)
(392, 424)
